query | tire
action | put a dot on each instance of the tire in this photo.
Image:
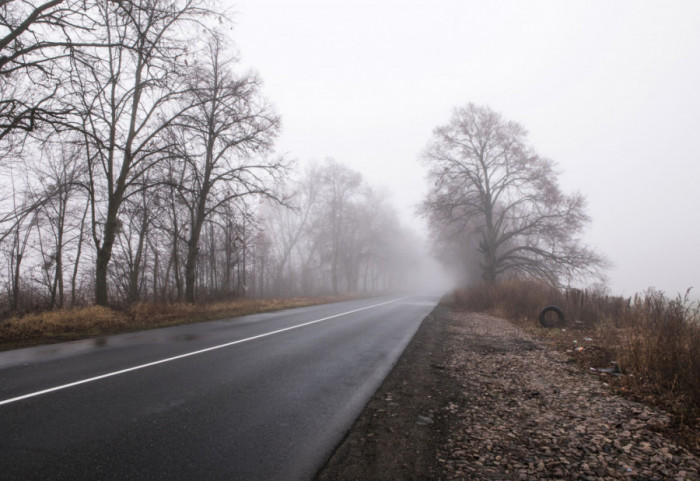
(548, 322)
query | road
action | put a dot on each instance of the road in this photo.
(260, 397)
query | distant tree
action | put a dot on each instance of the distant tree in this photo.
(132, 240)
(340, 187)
(20, 238)
(336, 235)
(487, 182)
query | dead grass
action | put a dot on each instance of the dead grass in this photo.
(70, 324)
(654, 339)
(523, 300)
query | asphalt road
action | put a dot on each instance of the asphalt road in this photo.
(259, 397)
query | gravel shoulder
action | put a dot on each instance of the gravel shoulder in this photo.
(475, 397)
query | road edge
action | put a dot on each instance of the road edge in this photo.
(397, 433)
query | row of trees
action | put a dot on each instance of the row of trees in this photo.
(137, 164)
(340, 236)
(116, 117)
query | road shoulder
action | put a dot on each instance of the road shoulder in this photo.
(400, 429)
(475, 397)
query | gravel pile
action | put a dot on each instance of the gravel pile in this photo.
(525, 413)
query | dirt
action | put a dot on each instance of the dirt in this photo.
(475, 397)
(398, 434)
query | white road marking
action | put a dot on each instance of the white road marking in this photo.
(181, 356)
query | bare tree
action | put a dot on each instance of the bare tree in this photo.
(34, 36)
(339, 186)
(290, 224)
(224, 142)
(488, 181)
(125, 96)
(132, 240)
(59, 176)
(19, 234)
(340, 236)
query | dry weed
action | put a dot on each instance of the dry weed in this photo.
(655, 339)
(66, 324)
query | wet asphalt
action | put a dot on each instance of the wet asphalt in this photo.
(269, 408)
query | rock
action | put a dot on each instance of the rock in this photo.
(423, 420)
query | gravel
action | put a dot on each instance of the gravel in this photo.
(524, 412)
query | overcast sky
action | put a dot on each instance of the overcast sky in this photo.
(607, 89)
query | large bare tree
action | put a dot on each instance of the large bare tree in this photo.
(488, 183)
(224, 144)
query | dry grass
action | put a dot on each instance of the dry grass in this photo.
(79, 323)
(523, 300)
(654, 339)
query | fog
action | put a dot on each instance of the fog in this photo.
(335, 233)
(302, 148)
(607, 90)
(148, 170)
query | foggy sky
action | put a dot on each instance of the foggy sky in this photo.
(608, 90)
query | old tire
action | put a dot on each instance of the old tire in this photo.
(547, 321)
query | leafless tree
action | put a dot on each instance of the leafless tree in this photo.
(132, 242)
(124, 98)
(340, 236)
(291, 226)
(487, 181)
(59, 176)
(339, 185)
(224, 144)
(35, 35)
(128, 131)
(18, 233)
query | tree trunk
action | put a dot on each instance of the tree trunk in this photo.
(103, 257)
(489, 267)
(74, 278)
(60, 226)
(191, 262)
(190, 270)
(14, 304)
(135, 271)
(104, 254)
(156, 266)
(59, 276)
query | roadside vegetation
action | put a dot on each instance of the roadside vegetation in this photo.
(653, 339)
(497, 214)
(84, 322)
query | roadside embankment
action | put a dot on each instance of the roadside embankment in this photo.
(84, 322)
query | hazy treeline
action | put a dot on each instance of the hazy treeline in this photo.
(340, 235)
(137, 163)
